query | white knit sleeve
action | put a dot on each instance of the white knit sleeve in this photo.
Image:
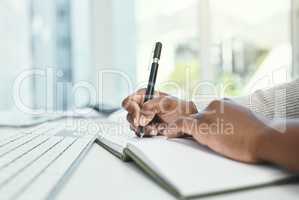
(281, 101)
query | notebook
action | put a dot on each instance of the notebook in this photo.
(182, 166)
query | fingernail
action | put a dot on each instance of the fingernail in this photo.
(142, 120)
(154, 133)
(135, 122)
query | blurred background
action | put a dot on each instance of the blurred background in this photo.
(101, 45)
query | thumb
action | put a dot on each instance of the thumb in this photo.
(145, 119)
(150, 109)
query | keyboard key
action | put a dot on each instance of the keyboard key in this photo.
(11, 139)
(56, 171)
(15, 144)
(17, 153)
(8, 172)
(13, 188)
(27, 138)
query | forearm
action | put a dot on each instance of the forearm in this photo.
(280, 147)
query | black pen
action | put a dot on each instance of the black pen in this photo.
(152, 79)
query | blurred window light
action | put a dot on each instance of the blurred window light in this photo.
(175, 24)
(249, 42)
(251, 35)
(244, 37)
(15, 49)
(51, 38)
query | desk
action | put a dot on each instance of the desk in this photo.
(101, 175)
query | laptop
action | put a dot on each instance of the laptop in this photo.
(35, 162)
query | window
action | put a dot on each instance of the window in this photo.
(251, 44)
(244, 45)
(15, 49)
(175, 24)
(51, 39)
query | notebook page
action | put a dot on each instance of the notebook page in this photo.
(115, 133)
(195, 170)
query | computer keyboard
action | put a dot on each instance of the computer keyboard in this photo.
(34, 163)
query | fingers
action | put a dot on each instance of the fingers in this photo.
(133, 104)
(134, 128)
(184, 125)
(149, 110)
(152, 129)
(134, 111)
(137, 98)
(130, 119)
(156, 106)
(193, 125)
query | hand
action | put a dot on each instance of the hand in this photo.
(225, 127)
(155, 113)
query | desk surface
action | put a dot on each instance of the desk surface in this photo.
(102, 175)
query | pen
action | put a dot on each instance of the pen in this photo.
(152, 79)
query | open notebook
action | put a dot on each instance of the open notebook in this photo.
(183, 167)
